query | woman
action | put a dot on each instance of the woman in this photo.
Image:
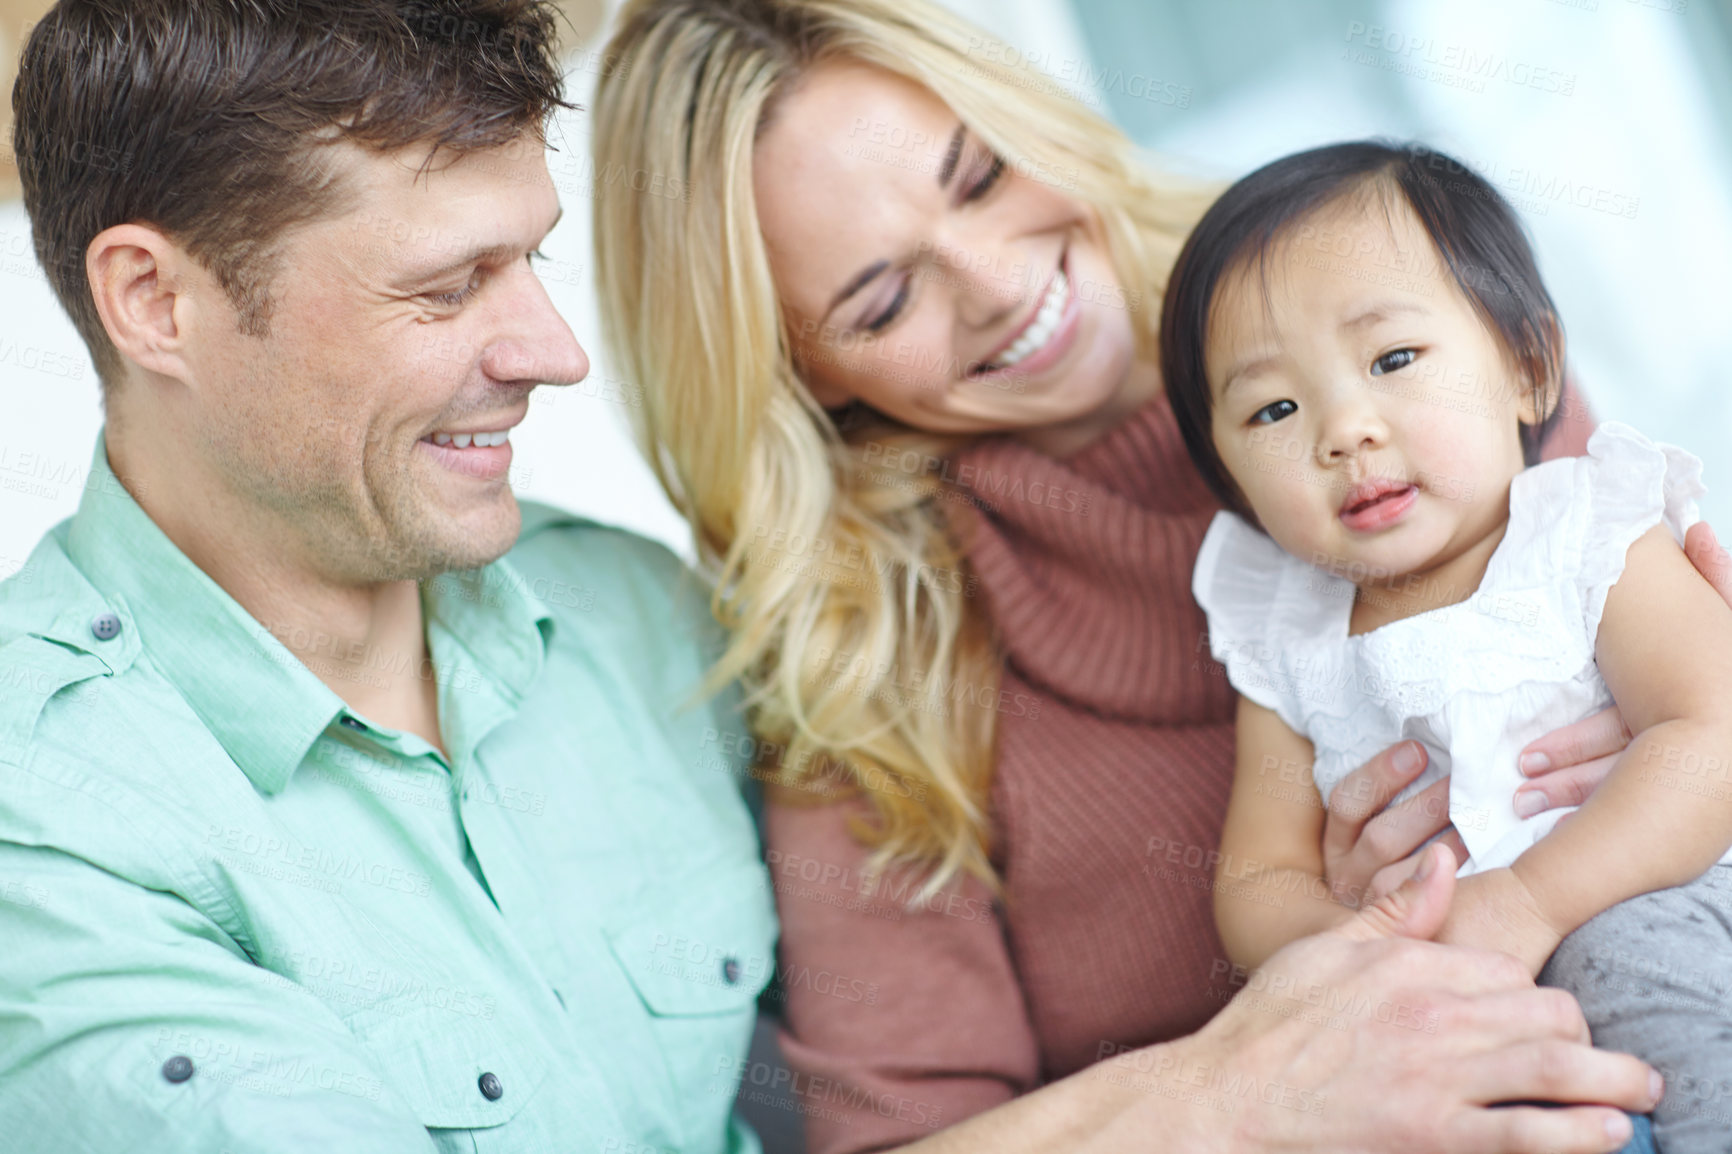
(897, 343)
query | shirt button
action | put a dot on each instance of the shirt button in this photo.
(105, 626)
(491, 1089)
(731, 970)
(177, 1069)
(355, 723)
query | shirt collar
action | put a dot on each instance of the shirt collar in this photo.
(254, 695)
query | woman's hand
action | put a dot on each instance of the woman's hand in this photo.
(1568, 764)
(1369, 846)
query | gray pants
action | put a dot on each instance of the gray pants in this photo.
(1654, 977)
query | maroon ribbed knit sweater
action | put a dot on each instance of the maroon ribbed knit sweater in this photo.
(1113, 767)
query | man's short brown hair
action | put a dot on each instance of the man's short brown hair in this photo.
(205, 119)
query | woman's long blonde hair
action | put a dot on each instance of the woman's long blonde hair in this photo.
(863, 658)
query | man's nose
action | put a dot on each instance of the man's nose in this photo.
(535, 345)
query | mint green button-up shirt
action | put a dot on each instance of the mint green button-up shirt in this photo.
(237, 916)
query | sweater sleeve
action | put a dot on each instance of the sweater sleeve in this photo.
(897, 1023)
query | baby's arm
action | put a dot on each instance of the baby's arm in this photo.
(1269, 884)
(1664, 815)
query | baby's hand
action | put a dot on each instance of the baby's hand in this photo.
(1495, 910)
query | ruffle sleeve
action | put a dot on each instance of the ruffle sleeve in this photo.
(1626, 485)
(1239, 581)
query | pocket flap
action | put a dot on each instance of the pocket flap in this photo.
(707, 946)
(436, 1060)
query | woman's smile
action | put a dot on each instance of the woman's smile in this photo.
(1041, 340)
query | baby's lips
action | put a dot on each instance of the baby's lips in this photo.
(1379, 511)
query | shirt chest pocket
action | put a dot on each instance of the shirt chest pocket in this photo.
(697, 949)
(700, 948)
(455, 1063)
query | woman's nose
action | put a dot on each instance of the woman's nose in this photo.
(987, 281)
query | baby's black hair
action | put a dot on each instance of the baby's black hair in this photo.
(1472, 226)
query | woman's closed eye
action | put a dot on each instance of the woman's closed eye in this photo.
(1269, 414)
(1392, 361)
(983, 184)
(992, 169)
(883, 319)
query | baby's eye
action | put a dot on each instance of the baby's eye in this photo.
(1269, 414)
(1392, 361)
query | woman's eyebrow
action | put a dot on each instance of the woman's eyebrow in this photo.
(952, 154)
(859, 282)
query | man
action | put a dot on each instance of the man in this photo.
(343, 803)
(320, 821)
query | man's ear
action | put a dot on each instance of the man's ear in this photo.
(143, 293)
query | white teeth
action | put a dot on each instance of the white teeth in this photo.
(479, 440)
(1034, 338)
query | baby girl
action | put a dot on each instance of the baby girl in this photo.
(1362, 357)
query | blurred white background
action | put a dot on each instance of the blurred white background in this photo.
(1606, 121)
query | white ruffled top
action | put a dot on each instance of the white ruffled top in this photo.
(1475, 681)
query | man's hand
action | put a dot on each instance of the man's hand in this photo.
(1364, 1040)
(1495, 910)
(1369, 846)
